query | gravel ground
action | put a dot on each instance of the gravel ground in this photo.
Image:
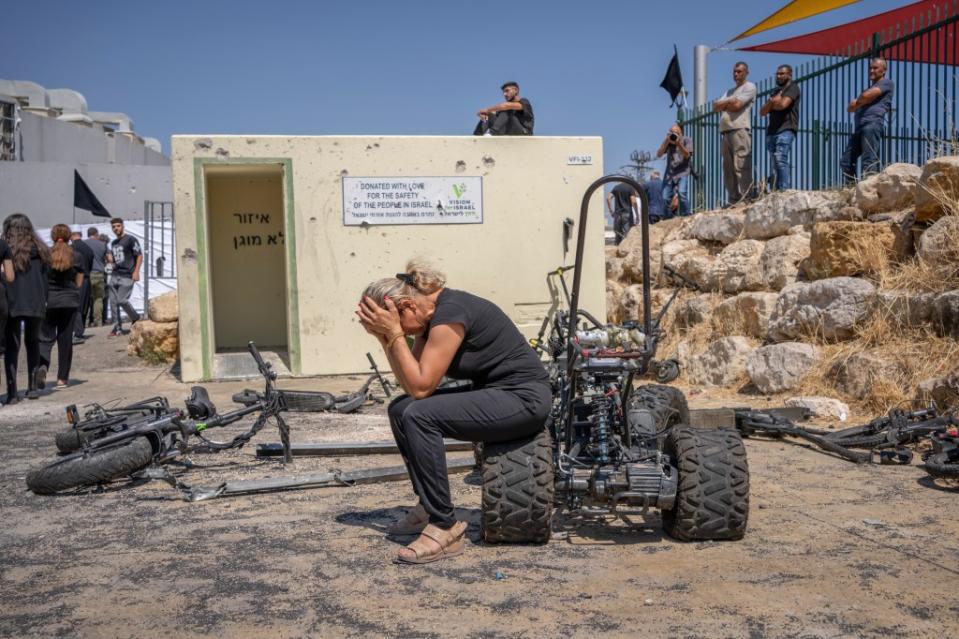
(832, 549)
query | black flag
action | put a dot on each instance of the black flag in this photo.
(83, 197)
(673, 82)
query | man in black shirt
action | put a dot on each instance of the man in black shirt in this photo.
(783, 110)
(86, 257)
(514, 116)
(126, 257)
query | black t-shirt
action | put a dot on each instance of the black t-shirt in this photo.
(86, 255)
(62, 290)
(125, 251)
(787, 119)
(493, 353)
(621, 198)
(525, 116)
(27, 294)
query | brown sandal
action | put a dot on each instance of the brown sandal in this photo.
(414, 522)
(451, 543)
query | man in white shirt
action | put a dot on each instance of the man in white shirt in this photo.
(736, 107)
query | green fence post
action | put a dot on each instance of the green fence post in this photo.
(816, 159)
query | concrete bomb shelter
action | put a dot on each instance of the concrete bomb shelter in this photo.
(277, 236)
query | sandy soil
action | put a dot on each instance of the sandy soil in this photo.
(832, 549)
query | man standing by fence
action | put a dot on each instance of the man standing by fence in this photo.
(870, 108)
(735, 129)
(678, 149)
(782, 107)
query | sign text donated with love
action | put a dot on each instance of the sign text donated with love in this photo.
(412, 200)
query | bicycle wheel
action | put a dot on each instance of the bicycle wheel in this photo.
(73, 439)
(96, 467)
(308, 401)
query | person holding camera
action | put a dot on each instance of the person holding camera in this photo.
(678, 149)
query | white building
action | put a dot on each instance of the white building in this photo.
(47, 134)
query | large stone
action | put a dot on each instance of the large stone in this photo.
(631, 302)
(939, 244)
(853, 248)
(892, 189)
(779, 367)
(776, 213)
(164, 308)
(722, 363)
(829, 308)
(821, 406)
(693, 311)
(781, 258)
(844, 214)
(860, 373)
(633, 242)
(691, 259)
(156, 342)
(718, 227)
(745, 314)
(737, 268)
(945, 314)
(942, 390)
(938, 190)
(614, 307)
(903, 309)
(614, 268)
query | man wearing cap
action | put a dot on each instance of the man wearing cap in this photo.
(513, 116)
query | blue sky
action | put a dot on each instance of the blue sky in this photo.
(404, 68)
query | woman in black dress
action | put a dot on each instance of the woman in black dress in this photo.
(64, 279)
(464, 337)
(26, 300)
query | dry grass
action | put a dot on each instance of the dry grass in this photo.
(910, 356)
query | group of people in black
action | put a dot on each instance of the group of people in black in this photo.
(49, 293)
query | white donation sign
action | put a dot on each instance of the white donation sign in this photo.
(418, 200)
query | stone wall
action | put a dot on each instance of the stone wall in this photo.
(858, 288)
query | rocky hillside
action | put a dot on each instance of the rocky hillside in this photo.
(836, 295)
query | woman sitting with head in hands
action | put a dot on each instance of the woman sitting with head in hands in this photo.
(464, 337)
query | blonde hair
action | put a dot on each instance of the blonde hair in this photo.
(420, 278)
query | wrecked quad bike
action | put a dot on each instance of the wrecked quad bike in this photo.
(608, 445)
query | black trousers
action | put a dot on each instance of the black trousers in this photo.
(31, 339)
(484, 415)
(85, 301)
(58, 326)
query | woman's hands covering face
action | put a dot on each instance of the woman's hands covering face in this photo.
(378, 321)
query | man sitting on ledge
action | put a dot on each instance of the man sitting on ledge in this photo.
(514, 116)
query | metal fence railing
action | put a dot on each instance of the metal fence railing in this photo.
(922, 123)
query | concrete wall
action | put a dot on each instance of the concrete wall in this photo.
(44, 139)
(44, 190)
(529, 185)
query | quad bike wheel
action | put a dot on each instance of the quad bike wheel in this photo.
(712, 499)
(518, 489)
(96, 467)
(668, 404)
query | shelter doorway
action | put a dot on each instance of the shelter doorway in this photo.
(247, 248)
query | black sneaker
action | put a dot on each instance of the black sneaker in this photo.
(32, 394)
(12, 398)
(40, 377)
